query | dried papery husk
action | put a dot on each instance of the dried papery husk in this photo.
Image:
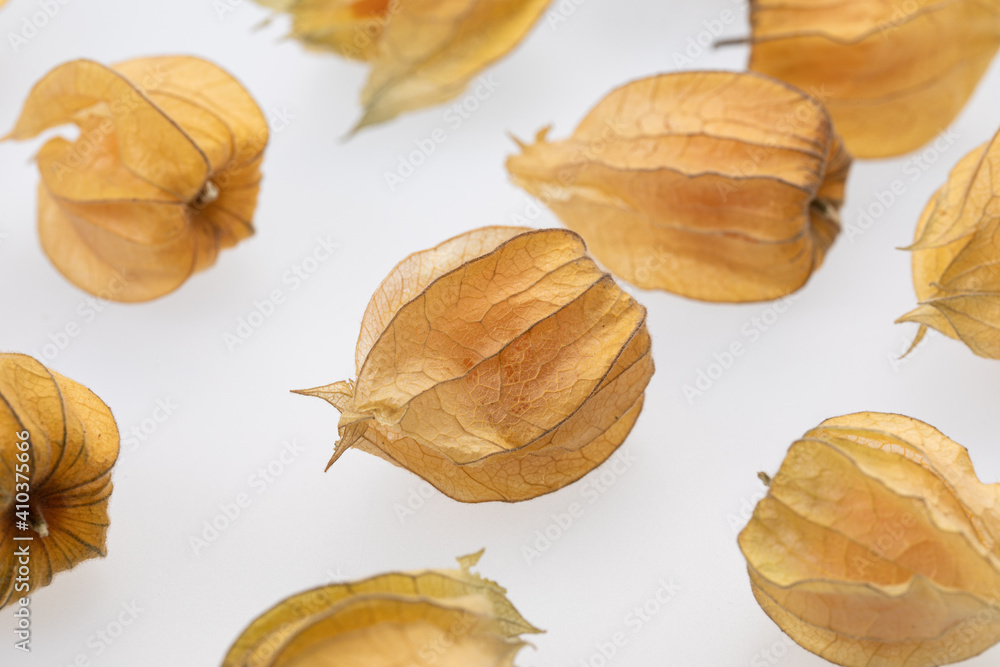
(718, 186)
(877, 545)
(163, 175)
(453, 618)
(350, 28)
(956, 255)
(422, 52)
(893, 74)
(72, 446)
(500, 365)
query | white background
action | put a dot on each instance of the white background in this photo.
(672, 516)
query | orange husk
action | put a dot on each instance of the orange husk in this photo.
(878, 545)
(422, 52)
(956, 255)
(500, 365)
(452, 618)
(63, 472)
(893, 74)
(718, 186)
(163, 175)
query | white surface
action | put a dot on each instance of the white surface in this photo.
(671, 516)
